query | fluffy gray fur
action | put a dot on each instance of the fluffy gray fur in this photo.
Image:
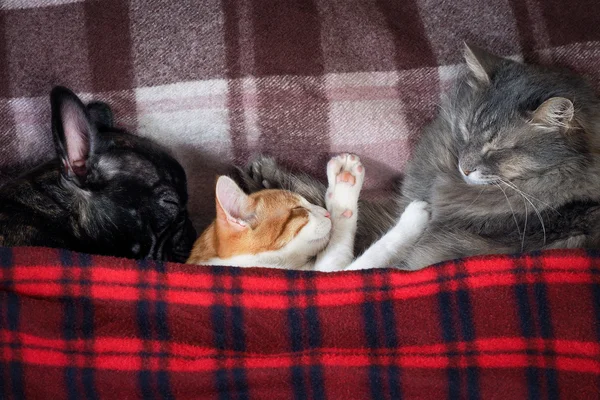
(510, 164)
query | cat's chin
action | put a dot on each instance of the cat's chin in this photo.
(480, 181)
(320, 243)
(477, 178)
(324, 239)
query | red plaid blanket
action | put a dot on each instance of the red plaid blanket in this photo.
(79, 326)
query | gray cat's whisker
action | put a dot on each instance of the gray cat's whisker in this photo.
(520, 193)
(529, 196)
(511, 209)
(532, 205)
(541, 219)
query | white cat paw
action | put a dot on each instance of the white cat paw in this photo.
(345, 175)
(414, 219)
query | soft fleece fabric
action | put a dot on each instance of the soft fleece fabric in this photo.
(83, 327)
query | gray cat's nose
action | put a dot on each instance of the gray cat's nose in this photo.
(467, 167)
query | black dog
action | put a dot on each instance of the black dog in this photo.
(108, 192)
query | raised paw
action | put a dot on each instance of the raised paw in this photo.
(345, 168)
(345, 175)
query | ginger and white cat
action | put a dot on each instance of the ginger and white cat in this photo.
(280, 229)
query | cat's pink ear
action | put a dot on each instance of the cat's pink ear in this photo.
(232, 204)
(481, 63)
(555, 112)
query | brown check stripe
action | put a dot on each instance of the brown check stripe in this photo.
(87, 327)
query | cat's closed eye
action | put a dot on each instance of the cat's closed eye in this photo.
(489, 152)
(493, 151)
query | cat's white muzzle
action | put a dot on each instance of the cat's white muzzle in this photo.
(477, 178)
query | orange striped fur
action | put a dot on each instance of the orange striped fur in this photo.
(247, 225)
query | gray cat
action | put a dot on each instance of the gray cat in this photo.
(511, 164)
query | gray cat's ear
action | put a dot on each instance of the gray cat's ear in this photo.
(481, 63)
(554, 112)
(232, 204)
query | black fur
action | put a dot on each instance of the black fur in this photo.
(108, 192)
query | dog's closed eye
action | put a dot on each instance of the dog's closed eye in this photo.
(170, 205)
(170, 201)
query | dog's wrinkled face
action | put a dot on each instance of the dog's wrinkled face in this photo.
(130, 194)
(135, 199)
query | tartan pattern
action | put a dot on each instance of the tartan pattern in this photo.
(220, 81)
(80, 326)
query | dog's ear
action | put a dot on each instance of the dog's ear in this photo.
(74, 133)
(101, 114)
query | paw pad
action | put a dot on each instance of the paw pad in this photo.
(347, 177)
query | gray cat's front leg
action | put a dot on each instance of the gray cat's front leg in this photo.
(395, 246)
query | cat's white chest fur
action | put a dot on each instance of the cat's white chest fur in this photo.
(285, 258)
